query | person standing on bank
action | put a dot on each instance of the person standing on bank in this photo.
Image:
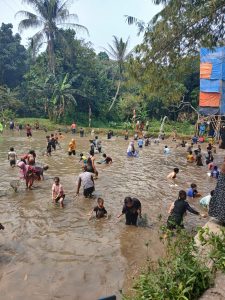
(131, 209)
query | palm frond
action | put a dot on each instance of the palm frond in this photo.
(77, 27)
(29, 23)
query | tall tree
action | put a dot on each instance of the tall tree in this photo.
(181, 28)
(49, 15)
(12, 57)
(118, 52)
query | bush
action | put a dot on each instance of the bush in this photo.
(181, 274)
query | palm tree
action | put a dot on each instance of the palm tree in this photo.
(118, 52)
(48, 16)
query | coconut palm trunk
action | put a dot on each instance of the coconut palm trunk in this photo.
(116, 95)
(119, 53)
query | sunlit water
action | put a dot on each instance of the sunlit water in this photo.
(53, 253)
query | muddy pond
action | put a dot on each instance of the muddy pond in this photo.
(53, 253)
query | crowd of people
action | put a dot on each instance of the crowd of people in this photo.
(31, 171)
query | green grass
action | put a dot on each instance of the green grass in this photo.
(184, 129)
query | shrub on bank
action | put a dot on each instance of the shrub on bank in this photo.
(182, 273)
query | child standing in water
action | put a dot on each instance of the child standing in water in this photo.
(12, 157)
(58, 192)
(49, 146)
(99, 210)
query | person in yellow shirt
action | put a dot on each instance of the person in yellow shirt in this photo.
(72, 147)
(190, 157)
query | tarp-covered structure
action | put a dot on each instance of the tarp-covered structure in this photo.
(212, 81)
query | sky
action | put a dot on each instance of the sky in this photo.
(103, 18)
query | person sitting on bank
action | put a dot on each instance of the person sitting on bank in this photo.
(131, 209)
(86, 178)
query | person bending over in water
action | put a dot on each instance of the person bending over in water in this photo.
(99, 210)
(88, 183)
(198, 160)
(1, 227)
(12, 157)
(131, 150)
(140, 142)
(173, 174)
(166, 150)
(39, 172)
(205, 200)
(107, 159)
(131, 209)
(30, 174)
(58, 192)
(177, 211)
(192, 191)
(83, 159)
(190, 157)
(215, 172)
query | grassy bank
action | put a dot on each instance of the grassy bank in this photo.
(184, 129)
(184, 273)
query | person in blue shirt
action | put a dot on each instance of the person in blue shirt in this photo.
(202, 129)
(215, 172)
(140, 142)
(192, 191)
(195, 140)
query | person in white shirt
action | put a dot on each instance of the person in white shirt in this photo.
(12, 157)
(86, 178)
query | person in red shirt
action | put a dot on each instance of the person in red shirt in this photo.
(73, 128)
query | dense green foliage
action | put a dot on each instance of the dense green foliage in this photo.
(183, 273)
(68, 79)
(12, 57)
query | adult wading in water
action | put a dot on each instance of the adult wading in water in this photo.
(217, 202)
(177, 211)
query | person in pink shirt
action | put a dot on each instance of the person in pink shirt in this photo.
(23, 170)
(58, 192)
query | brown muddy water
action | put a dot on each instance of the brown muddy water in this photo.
(52, 253)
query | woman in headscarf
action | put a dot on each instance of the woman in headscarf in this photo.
(217, 202)
(131, 150)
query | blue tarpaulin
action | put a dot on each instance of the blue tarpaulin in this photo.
(210, 86)
(216, 82)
